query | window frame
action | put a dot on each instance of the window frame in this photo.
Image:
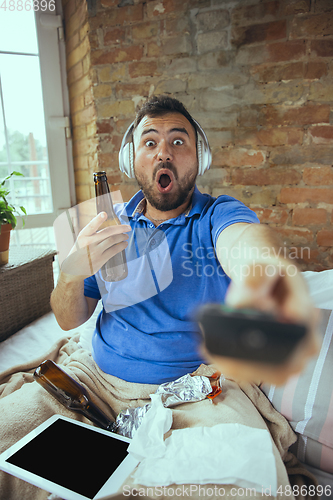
(52, 61)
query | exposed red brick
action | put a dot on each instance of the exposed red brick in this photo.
(148, 68)
(270, 136)
(115, 35)
(239, 157)
(322, 6)
(272, 215)
(104, 127)
(303, 195)
(312, 26)
(109, 3)
(274, 73)
(117, 17)
(131, 89)
(116, 141)
(321, 135)
(260, 12)
(315, 70)
(131, 53)
(325, 238)
(291, 7)
(107, 159)
(296, 155)
(286, 51)
(248, 117)
(158, 8)
(265, 176)
(309, 216)
(294, 236)
(322, 48)
(259, 33)
(303, 115)
(318, 176)
(130, 14)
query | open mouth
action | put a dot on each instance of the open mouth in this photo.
(164, 181)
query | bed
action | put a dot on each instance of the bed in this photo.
(306, 400)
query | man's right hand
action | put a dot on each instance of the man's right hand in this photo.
(94, 247)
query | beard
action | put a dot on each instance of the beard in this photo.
(182, 190)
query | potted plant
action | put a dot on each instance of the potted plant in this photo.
(8, 219)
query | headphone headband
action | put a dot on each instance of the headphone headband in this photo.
(126, 153)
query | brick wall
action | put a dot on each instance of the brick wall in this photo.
(257, 75)
(82, 105)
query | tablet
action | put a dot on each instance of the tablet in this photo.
(74, 460)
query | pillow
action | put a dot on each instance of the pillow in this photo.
(306, 401)
(321, 288)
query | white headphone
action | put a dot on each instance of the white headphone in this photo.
(126, 153)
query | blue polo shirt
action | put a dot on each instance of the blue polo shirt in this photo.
(146, 332)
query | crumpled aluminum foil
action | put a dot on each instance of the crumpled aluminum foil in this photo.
(185, 389)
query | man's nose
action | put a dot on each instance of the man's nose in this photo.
(164, 152)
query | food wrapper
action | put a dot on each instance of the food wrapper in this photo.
(186, 389)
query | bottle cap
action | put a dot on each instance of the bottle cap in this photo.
(100, 176)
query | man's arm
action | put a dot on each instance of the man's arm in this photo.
(264, 278)
(262, 274)
(93, 247)
(69, 304)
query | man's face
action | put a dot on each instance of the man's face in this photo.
(165, 164)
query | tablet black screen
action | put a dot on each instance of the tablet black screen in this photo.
(72, 456)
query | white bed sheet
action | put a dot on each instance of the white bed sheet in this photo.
(35, 339)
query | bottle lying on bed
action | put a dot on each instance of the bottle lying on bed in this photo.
(70, 393)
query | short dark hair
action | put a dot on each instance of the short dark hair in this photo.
(159, 105)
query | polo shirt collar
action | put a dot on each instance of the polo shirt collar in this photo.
(135, 207)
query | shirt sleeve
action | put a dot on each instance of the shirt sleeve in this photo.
(91, 288)
(228, 211)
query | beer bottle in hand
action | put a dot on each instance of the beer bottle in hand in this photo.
(115, 269)
(70, 393)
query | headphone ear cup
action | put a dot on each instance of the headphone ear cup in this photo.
(203, 150)
(124, 160)
(126, 153)
(131, 159)
(199, 153)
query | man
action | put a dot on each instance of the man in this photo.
(166, 168)
(145, 334)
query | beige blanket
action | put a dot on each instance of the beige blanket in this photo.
(24, 405)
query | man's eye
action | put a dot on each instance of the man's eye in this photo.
(150, 143)
(178, 142)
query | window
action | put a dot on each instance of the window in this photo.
(34, 131)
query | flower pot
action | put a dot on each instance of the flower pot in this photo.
(5, 230)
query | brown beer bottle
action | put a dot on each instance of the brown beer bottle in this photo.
(70, 393)
(115, 269)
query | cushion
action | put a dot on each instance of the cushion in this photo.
(306, 400)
